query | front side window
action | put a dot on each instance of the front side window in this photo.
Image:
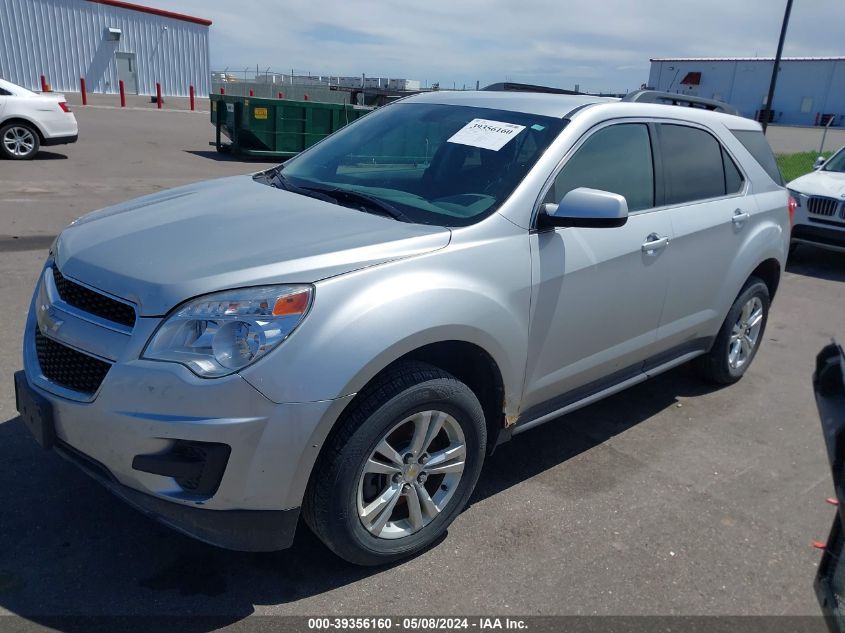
(617, 159)
(436, 164)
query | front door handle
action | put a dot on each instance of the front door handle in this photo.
(654, 243)
(740, 217)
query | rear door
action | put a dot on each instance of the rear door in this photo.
(597, 293)
(711, 216)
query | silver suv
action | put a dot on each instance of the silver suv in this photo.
(445, 273)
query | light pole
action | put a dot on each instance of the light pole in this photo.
(769, 111)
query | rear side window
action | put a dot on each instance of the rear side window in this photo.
(616, 159)
(758, 147)
(5, 93)
(692, 160)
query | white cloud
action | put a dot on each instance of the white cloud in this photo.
(603, 45)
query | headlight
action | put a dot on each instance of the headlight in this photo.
(795, 195)
(219, 334)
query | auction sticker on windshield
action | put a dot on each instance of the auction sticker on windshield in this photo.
(486, 134)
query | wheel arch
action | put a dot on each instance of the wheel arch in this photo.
(768, 271)
(28, 122)
(467, 361)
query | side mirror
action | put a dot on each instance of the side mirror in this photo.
(583, 207)
(821, 160)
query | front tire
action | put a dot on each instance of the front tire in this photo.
(739, 339)
(19, 141)
(400, 468)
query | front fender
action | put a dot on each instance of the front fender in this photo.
(476, 291)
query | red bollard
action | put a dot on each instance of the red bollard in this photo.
(281, 95)
(122, 93)
(83, 91)
(305, 98)
(158, 95)
(251, 92)
(44, 86)
(222, 90)
(191, 93)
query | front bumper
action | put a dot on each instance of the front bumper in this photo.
(237, 528)
(242, 530)
(149, 409)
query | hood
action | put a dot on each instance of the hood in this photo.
(160, 250)
(821, 183)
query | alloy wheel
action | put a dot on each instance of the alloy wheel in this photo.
(19, 141)
(411, 475)
(745, 333)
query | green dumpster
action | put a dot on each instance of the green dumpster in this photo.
(276, 128)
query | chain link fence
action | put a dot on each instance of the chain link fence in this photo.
(300, 86)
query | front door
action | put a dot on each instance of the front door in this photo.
(598, 294)
(127, 71)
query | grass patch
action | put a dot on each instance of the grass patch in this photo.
(794, 165)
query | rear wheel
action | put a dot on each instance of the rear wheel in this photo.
(401, 467)
(19, 141)
(739, 339)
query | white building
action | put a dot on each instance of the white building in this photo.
(810, 90)
(103, 41)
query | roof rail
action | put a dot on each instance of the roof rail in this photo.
(671, 98)
(509, 86)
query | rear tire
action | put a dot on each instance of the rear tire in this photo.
(739, 338)
(400, 467)
(19, 141)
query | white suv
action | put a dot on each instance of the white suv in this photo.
(820, 213)
(29, 120)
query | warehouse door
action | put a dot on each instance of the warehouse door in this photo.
(126, 71)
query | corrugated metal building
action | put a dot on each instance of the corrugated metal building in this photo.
(808, 88)
(103, 41)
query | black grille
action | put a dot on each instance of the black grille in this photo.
(93, 302)
(67, 367)
(822, 206)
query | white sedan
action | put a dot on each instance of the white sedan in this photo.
(820, 215)
(29, 120)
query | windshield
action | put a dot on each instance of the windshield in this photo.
(425, 163)
(836, 162)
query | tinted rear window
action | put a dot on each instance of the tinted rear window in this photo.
(692, 161)
(758, 147)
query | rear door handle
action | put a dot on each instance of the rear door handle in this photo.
(654, 243)
(740, 217)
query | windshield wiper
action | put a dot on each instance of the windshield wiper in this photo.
(367, 203)
(335, 195)
(276, 179)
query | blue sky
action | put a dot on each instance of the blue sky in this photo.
(601, 45)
